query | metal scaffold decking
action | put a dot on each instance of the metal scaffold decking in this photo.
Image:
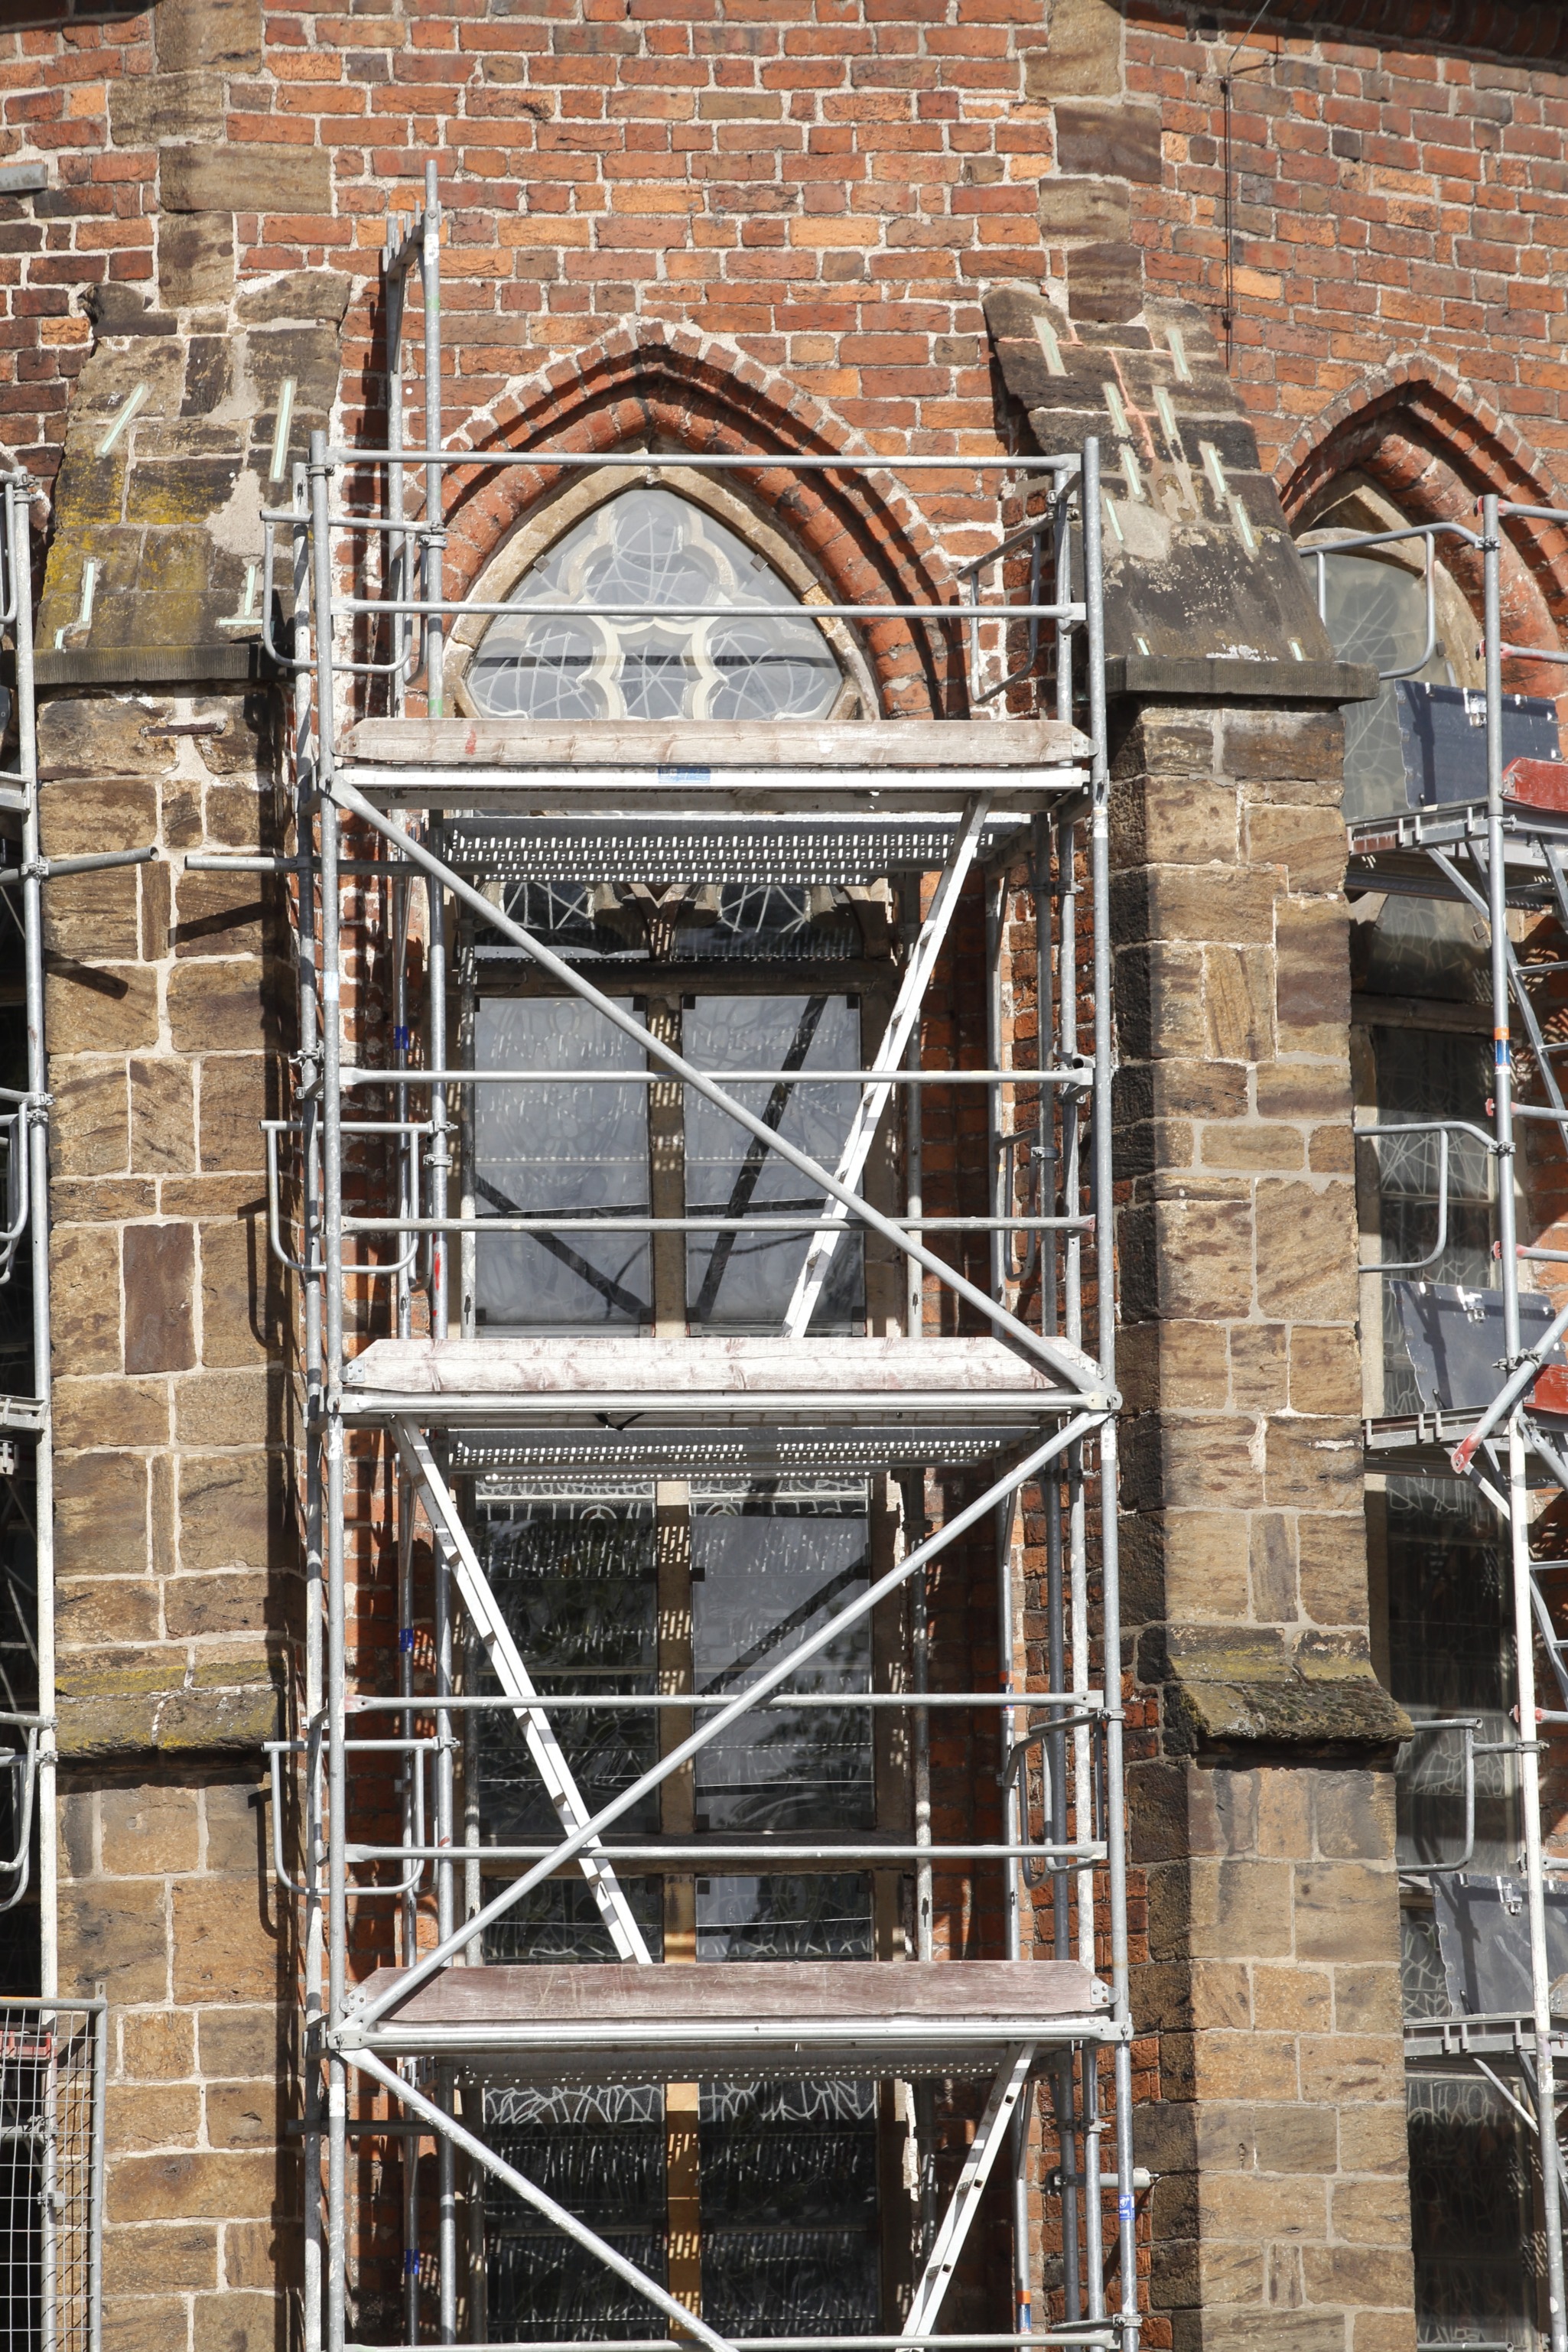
(668, 1433)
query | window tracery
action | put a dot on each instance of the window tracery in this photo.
(705, 654)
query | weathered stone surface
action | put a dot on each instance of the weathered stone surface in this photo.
(115, 1931)
(1100, 209)
(1105, 282)
(237, 1300)
(146, 109)
(221, 1949)
(163, 1115)
(299, 294)
(159, 1273)
(225, 1511)
(194, 2187)
(245, 178)
(1083, 56)
(88, 1125)
(234, 1100)
(93, 916)
(101, 747)
(110, 1411)
(232, 2322)
(1119, 140)
(192, 33)
(225, 1009)
(240, 2044)
(100, 1515)
(195, 257)
(174, 2257)
(97, 1008)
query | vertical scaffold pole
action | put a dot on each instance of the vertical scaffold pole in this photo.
(332, 1268)
(1105, 1283)
(18, 556)
(1518, 1490)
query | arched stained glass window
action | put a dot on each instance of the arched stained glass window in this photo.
(705, 660)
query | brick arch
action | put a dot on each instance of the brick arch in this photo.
(1434, 446)
(861, 533)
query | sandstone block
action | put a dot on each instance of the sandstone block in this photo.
(163, 1116)
(116, 1931)
(88, 1130)
(1263, 746)
(1312, 990)
(1240, 2136)
(1314, 1466)
(1118, 141)
(159, 1273)
(1306, 1253)
(239, 1408)
(196, 258)
(117, 1611)
(250, 177)
(96, 1009)
(1233, 1908)
(243, 2115)
(222, 1951)
(218, 915)
(139, 2116)
(146, 109)
(144, 2324)
(224, 1514)
(195, 2187)
(1285, 1814)
(1373, 2213)
(1345, 1911)
(100, 1515)
(234, 1103)
(1309, 843)
(148, 1830)
(1084, 209)
(100, 747)
(1240, 2205)
(159, 2045)
(227, 1008)
(1293, 2000)
(235, 1811)
(1238, 1004)
(1271, 1565)
(1325, 1370)
(243, 2322)
(94, 916)
(84, 1298)
(198, 1606)
(174, 2257)
(1355, 1815)
(238, 1305)
(1105, 282)
(1084, 55)
(1251, 2066)
(113, 1412)
(1332, 1556)
(240, 2044)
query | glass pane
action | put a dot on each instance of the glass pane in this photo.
(579, 1595)
(648, 546)
(1428, 1074)
(1470, 2204)
(568, 1150)
(1375, 612)
(789, 2207)
(816, 1915)
(1450, 1653)
(601, 2153)
(744, 1283)
(760, 1583)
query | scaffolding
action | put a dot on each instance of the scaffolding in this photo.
(1493, 1404)
(993, 1371)
(52, 2047)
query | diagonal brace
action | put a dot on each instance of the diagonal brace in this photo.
(686, 2321)
(507, 1664)
(888, 1057)
(987, 2145)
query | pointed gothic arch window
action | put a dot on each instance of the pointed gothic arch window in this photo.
(696, 655)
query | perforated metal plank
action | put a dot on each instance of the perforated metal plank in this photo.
(786, 850)
(709, 1453)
